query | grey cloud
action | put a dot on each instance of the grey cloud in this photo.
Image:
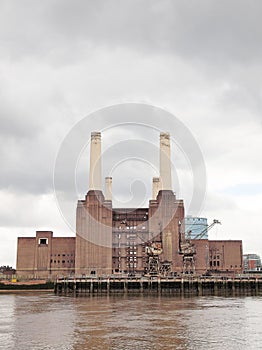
(15, 122)
(215, 203)
(26, 167)
(202, 30)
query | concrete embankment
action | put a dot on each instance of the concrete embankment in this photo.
(176, 286)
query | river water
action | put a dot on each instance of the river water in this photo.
(45, 321)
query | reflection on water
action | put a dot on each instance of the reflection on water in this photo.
(45, 321)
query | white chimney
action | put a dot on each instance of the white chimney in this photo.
(95, 162)
(108, 188)
(156, 187)
(165, 164)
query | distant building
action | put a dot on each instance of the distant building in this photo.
(6, 272)
(194, 226)
(252, 262)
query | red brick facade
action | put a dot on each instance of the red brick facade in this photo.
(45, 256)
(114, 240)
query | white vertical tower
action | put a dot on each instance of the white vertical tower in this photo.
(156, 187)
(165, 164)
(95, 162)
(108, 188)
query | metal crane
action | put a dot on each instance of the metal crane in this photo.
(153, 250)
(187, 248)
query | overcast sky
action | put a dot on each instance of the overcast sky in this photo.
(62, 60)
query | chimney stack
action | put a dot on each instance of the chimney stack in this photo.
(156, 187)
(165, 164)
(108, 188)
(95, 162)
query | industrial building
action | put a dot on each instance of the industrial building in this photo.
(252, 262)
(149, 241)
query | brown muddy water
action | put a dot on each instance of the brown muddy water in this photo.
(42, 320)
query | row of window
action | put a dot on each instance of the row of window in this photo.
(62, 261)
(134, 217)
(62, 254)
(130, 227)
(215, 257)
(131, 265)
(217, 264)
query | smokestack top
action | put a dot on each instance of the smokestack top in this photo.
(108, 188)
(95, 134)
(165, 135)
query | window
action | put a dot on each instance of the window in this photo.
(43, 241)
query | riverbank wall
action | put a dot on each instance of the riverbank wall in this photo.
(176, 286)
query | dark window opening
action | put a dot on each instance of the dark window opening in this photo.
(43, 241)
(93, 272)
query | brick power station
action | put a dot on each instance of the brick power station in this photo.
(125, 240)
